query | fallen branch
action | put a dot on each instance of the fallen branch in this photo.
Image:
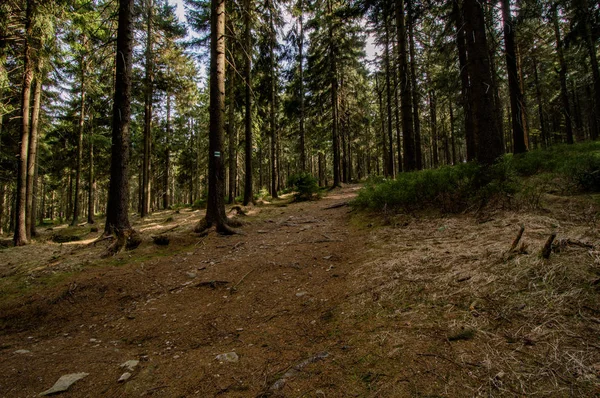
(337, 205)
(547, 249)
(212, 284)
(517, 239)
(168, 230)
(279, 383)
(234, 288)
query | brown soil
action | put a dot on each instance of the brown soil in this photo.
(316, 302)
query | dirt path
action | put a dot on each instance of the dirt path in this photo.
(318, 302)
(267, 295)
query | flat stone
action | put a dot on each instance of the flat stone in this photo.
(64, 383)
(130, 365)
(124, 377)
(300, 294)
(228, 357)
(191, 275)
(22, 352)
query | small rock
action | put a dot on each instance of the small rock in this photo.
(64, 383)
(191, 275)
(22, 352)
(130, 365)
(300, 294)
(228, 357)
(124, 377)
(94, 341)
(327, 257)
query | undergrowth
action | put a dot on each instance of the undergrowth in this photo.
(518, 180)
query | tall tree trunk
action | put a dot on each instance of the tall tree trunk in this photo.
(301, 70)
(232, 137)
(434, 132)
(334, 102)
(81, 126)
(91, 177)
(488, 137)
(592, 49)
(166, 175)
(2, 202)
(540, 104)
(272, 121)
(148, 93)
(383, 135)
(397, 110)
(405, 91)
(20, 237)
(562, 73)
(32, 155)
(117, 218)
(248, 195)
(466, 97)
(415, 89)
(215, 209)
(452, 133)
(514, 87)
(388, 89)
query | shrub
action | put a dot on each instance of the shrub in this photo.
(306, 186)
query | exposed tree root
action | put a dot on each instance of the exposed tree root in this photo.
(128, 239)
(204, 226)
(238, 211)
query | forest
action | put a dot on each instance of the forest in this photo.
(365, 166)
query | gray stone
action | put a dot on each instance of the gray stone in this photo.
(22, 352)
(64, 383)
(124, 377)
(130, 365)
(228, 357)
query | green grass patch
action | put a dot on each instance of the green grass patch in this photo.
(523, 178)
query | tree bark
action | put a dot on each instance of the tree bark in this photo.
(215, 209)
(415, 90)
(272, 121)
(540, 104)
(388, 89)
(232, 137)
(248, 195)
(562, 74)
(20, 236)
(488, 138)
(301, 70)
(434, 131)
(334, 103)
(405, 91)
(148, 93)
(81, 126)
(514, 87)
(466, 97)
(91, 178)
(592, 48)
(117, 218)
(32, 155)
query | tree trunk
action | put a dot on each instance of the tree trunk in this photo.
(148, 93)
(334, 103)
(91, 178)
(20, 237)
(301, 70)
(514, 87)
(592, 48)
(79, 139)
(232, 137)
(215, 209)
(166, 193)
(388, 89)
(117, 218)
(466, 97)
(248, 195)
(434, 132)
(562, 73)
(540, 102)
(452, 133)
(383, 135)
(488, 137)
(415, 90)
(32, 155)
(405, 91)
(272, 121)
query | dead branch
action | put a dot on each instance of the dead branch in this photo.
(547, 249)
(293, 371)
(337, 205)
(168, 230)
(234, 288)
(212, 284)
(517, 239)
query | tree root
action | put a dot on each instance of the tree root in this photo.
(128, 240)
(204, 226)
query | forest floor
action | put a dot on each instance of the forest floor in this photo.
(315, 301)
